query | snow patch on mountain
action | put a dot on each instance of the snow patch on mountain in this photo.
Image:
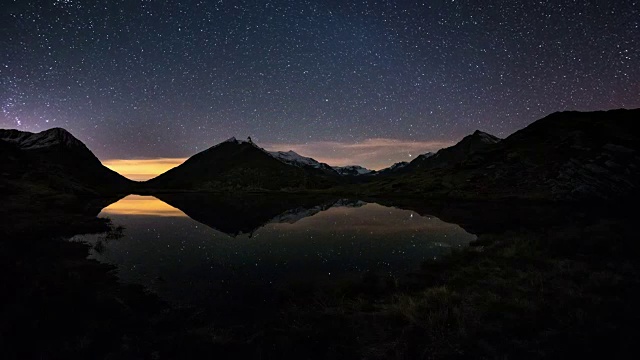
(352, 170)
(293, 158)
(45, 139)
(294, 215)
(398, 165)
(486, 138)
(426, 155)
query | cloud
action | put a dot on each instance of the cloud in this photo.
(142, 169)
(375, 153)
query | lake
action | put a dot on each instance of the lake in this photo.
(218, 253)
(315, 276)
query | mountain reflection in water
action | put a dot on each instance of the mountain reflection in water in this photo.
(254, 246)
(141, 205)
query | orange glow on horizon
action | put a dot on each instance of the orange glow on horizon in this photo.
(142, 205)
(373, 153)
(142, 169)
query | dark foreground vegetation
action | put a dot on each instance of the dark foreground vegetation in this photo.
(557, 291)
(539, 282)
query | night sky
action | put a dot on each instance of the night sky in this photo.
(364, 81)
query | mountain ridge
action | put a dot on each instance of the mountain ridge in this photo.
(293, 158)
(54, 160)
(563, 156)
(452, 155)
(26, 140)
(236, 165)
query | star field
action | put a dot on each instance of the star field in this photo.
(161, 78)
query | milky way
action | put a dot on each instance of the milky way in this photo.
(169, 78)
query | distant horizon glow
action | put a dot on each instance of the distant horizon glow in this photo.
(374, 154)
(142, 169)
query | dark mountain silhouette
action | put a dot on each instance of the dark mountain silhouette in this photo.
(54, 159)
(452, 155)
(236, 165)
(564, 156)
(393, 168)
(446, 157)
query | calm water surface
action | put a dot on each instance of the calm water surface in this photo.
(250, 248)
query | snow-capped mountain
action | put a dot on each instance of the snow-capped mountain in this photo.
(288, 157)
(241, 164)
(292, 158)
(423, 156)
(56, 160)
(353, 170)
(45, 139)
(393, 168)
(398, 165)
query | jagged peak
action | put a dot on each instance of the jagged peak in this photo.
(234, 140)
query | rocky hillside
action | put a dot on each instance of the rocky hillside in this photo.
(452, 155)
(564, 156)
(236, 165)
(292, 158)
(54, 160)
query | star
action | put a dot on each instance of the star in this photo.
(168, 79)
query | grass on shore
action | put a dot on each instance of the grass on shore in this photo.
(557, 293)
